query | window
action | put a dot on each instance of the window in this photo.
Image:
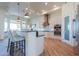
(5, 26)
(23, 25)
(14, 25)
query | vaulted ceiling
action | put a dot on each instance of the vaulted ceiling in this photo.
(36, 8)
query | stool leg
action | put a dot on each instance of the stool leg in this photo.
(12, 49)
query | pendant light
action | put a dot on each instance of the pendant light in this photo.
(27, 11)
(18, 17)
(26, 15)
(46, 3)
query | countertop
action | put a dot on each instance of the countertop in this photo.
(38, 31)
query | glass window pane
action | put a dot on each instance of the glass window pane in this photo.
(13, 26)
(5, 26)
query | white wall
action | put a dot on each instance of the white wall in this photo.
(38, 20)
(3, 11)
(69, 9)
(55, 18)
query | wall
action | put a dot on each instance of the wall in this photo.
(38, 20)
(55, 18)
(3, 11)
(69, 9)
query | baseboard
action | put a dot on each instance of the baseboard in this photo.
(68, 42)
(42, 54)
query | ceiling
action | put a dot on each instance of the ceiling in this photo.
(35, 7)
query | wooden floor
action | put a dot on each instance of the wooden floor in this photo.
(55, 47)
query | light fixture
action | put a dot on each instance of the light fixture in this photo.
(46, 3)
(27, 11)
(54, 6)
(18, 17)
(26, 15)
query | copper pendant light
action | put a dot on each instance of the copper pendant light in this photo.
(27, 12)
(18, 17)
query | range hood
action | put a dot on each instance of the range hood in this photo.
(46, 20)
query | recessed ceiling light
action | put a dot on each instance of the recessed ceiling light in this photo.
(54, 6)
(46, 3)
(26, 8)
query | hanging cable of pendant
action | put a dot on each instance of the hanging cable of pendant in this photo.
(18, 18)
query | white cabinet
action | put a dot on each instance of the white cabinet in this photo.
(34, 45)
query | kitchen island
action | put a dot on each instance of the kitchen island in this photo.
(34, 43)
